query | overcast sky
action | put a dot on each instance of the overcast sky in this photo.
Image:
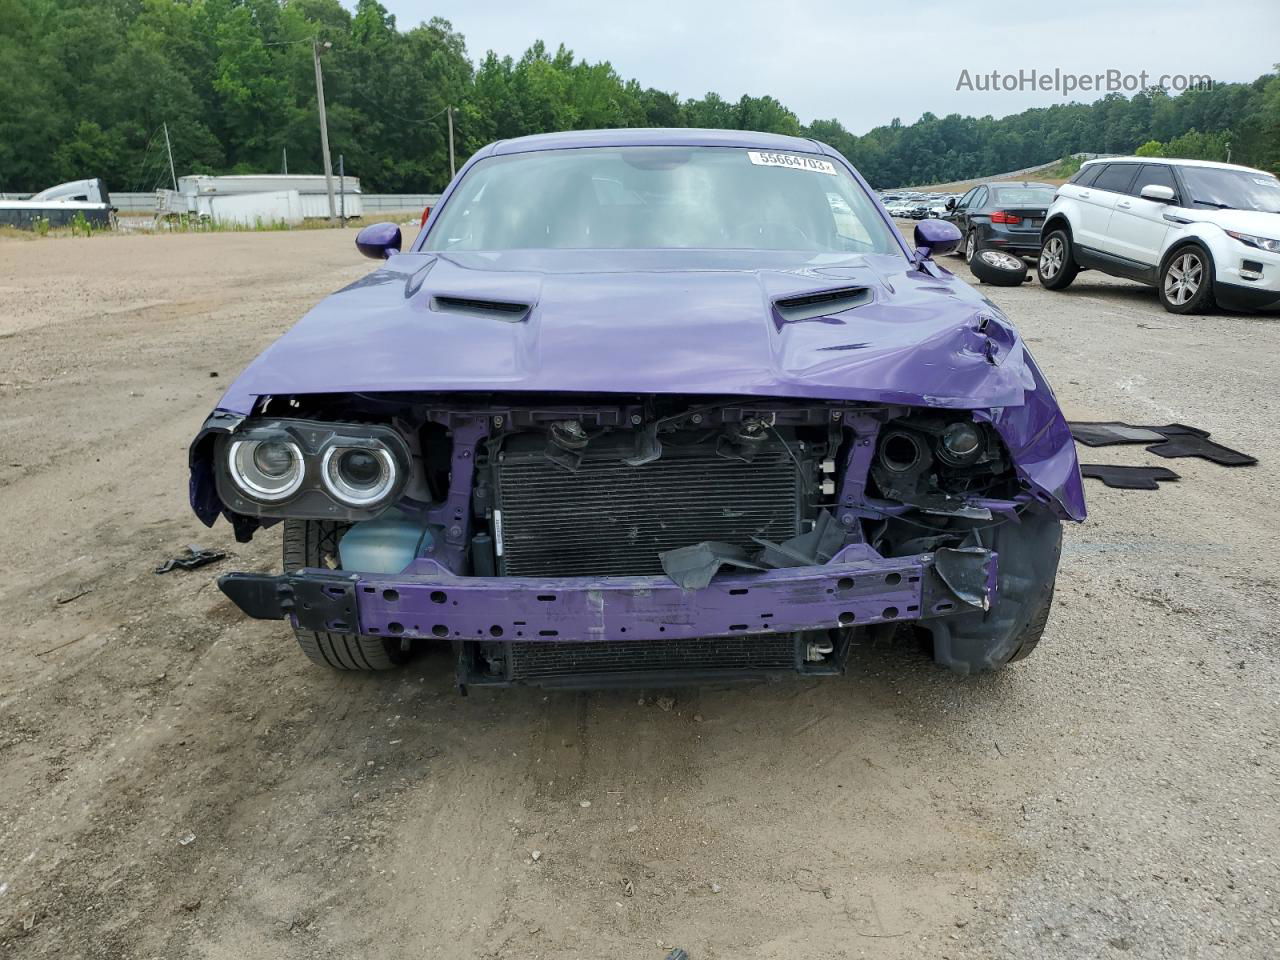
(866, 63)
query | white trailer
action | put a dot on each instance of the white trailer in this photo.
(311, 189)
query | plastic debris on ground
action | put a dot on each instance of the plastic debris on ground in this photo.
(191, 558)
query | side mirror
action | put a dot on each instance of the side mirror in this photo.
(1158, 193)
(935, 237)
(951, 203)
(378, 240)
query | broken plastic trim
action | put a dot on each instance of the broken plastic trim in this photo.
(693, 567)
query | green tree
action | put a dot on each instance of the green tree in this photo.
(86, 85)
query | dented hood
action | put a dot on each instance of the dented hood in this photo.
(676, 321)
(646, 322)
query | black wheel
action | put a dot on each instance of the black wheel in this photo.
(1186, 280)
(1057, 266)
(1027, 567)
(998, 268)
(314, 543)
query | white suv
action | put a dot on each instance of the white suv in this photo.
(1201, 233)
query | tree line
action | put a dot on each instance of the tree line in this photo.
(87, 84)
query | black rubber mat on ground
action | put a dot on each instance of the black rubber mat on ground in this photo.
(1193, 445)
(1108, 432)
(1172, 440)
(1127, 478)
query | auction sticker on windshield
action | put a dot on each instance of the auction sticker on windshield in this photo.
(792, 161)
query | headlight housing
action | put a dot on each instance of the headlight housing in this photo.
(269, 470)
(1261, 243)
(358, 475)
(306, 469)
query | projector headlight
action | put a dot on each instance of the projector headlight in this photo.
(359, 476)
(267, 470)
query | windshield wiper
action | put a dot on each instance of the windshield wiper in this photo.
(1216, 206)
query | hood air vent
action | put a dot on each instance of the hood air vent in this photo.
(484, 309)
(811, 306)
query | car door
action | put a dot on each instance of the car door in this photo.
(974, 215)
(956, 213)
(1138, 225)
(1097, 203)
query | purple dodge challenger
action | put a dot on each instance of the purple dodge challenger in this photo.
(641, 407)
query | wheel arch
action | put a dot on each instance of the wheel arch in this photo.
(1181, 243)
(1055, 222)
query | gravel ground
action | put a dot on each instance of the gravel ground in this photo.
(179, 782)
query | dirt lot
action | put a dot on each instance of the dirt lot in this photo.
(180, 782)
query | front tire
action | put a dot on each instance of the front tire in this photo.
(1186, 280)
(1057, 265)
(1027, 567)
(314, 543)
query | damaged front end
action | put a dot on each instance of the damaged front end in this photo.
(560, 539)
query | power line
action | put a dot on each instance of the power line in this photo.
(142, 166)
(391, 113)
(265, 43)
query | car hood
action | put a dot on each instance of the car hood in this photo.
(1258, 223)
(649, 322)
(676, 321)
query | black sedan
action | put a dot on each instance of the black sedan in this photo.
(1002, 215)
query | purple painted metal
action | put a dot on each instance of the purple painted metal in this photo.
(936, 237)
(379, 240)
(454, 514)
(853, 484)
(686, 322)
(857, 587)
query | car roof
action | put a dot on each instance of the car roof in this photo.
(657, 137)
(1172, 161)
(1017, 183)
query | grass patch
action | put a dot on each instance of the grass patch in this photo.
(1065, 169)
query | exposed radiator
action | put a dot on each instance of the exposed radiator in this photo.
(610, 519)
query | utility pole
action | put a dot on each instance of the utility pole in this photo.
(324, 124)
(169, 148)
(284, 160)
(452, 169)
(342, 189)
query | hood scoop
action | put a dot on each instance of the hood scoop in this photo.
(814, 306)
(504, 310)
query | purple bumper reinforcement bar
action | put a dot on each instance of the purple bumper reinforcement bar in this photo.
(856, 588)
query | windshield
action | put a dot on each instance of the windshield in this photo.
(1024, 196)
(615, 198)
(1231, 189)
